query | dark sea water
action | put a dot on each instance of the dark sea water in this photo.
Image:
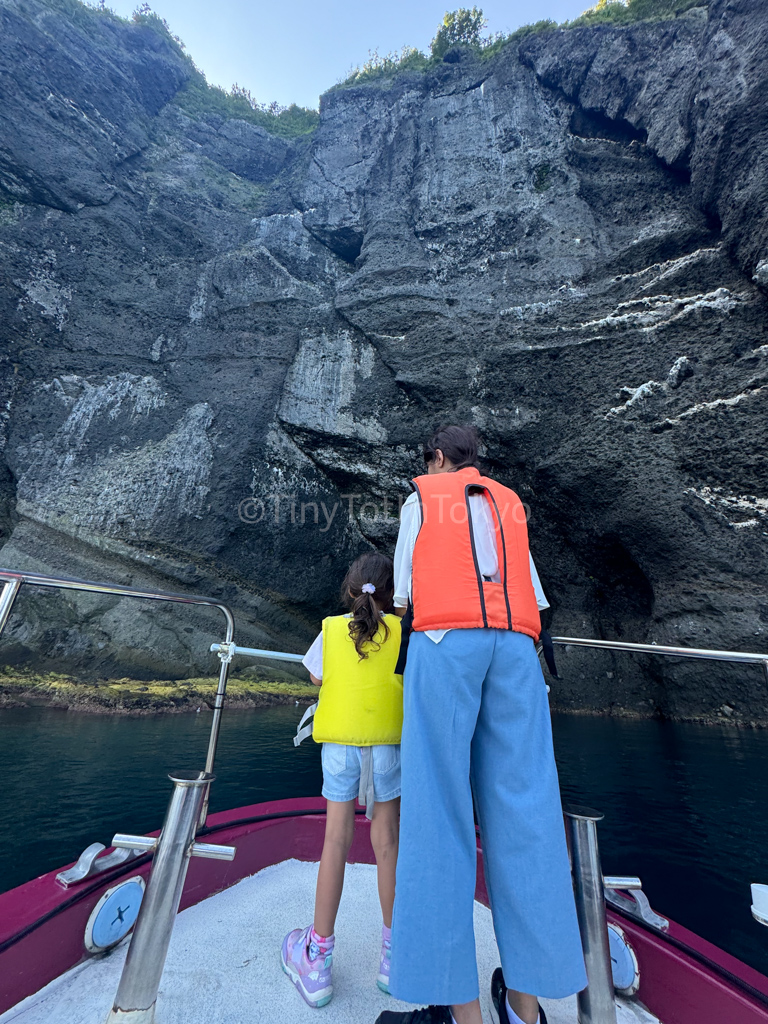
(685, 806)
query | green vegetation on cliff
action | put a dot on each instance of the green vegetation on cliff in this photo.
(459, 28)
(463, 28)
(197, 98)
(54, 689)
(617, 12)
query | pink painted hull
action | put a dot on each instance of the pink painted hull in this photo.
(684, 979)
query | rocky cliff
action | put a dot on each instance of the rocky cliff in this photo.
(221, 348)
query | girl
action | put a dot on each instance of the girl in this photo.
(358, 720)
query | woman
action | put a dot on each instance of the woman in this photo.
(476, 722)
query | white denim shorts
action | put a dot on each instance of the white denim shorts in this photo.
(343, 766)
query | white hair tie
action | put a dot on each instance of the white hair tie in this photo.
(368, 588)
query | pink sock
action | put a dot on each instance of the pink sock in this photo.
(323, 941)
(386, 933)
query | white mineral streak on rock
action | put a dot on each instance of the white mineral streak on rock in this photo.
(321, 384)
(286, 475)
(43, 289)
(504, 418)
(132, 490)
(116, 492)
(62, 388)
(681, 370)
(635, 396)
(671, 268)
(760, 275)
(279, 445)
(5, 417)
(284, 227)
(732, 505)
(648, 314)
(723, 47)
(531, 309)
(11, 214)
(199, 302)
(142, 395)
(717, 403)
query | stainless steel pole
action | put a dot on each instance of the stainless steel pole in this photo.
(218, 704)
(255, 652)
(596, 1003)
(226, 653)
(8, 596)
(140, 981)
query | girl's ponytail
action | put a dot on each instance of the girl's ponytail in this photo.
(368, 589)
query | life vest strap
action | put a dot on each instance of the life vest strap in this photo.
(448, 588)
(365, 793)
(305, 730)
(548, 650)
(406, 627)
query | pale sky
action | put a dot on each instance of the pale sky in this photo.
(292, 50)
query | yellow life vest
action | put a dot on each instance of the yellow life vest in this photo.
(361, 702)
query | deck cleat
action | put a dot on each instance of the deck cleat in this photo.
(310, 974)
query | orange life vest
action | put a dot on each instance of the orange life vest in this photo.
(448, 590)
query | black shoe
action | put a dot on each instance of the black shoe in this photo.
(425, 1015)
(499, 1000)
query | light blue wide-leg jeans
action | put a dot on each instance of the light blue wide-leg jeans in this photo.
(477, 719)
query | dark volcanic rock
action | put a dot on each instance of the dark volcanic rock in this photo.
(695, 93)
(223, 348)
(78, 98)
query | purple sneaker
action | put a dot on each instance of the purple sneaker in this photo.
(308, 967)
(386, 955)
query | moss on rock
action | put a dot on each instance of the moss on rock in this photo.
(19, 688)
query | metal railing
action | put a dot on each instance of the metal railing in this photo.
(173, 849)
(12, 582)
(135, 1001)
(187, 811)
(254, 652)
(736, 657)
(596, 1003)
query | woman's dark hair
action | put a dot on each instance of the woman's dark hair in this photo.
(366, 620)
(458, 444)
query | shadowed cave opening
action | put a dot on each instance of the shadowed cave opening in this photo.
(591, 124)
(621, 595)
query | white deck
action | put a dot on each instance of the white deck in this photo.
(223, 965)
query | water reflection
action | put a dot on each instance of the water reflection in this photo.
(685, 809)
(684, 805)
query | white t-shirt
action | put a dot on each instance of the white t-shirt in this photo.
(313, 659)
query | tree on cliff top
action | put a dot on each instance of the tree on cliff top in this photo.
(459, 28)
